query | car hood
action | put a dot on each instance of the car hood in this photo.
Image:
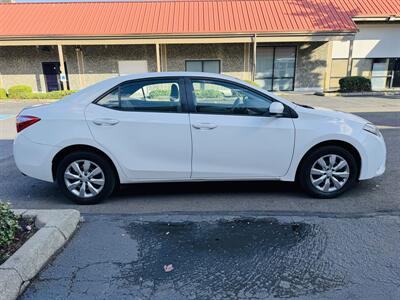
(333, 114)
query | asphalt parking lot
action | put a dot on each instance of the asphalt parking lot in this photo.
(225, 257)
(224, 240)
(377, 195)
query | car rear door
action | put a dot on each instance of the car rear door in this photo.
(233, 134)
(145, 125)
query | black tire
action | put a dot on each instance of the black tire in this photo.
(100, 161)
(304, 172)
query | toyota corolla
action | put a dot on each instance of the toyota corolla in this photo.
(191, 127)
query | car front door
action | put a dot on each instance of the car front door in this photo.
(145, 126)
(233, 134)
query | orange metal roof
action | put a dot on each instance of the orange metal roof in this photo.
(186, 17)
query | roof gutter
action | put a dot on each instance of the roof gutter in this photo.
(176, 38)
(386, 19)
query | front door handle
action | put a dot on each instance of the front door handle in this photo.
(206, 126)
(105, 122)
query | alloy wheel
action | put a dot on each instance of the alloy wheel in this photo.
(84, 178)
(329, 173)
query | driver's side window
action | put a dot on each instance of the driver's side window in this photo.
(217, 97)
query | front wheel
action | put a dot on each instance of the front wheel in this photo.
(85, 177)
(328, 171)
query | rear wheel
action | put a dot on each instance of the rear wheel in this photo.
(328, 171)
(85, 177)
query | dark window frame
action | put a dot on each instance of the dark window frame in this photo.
(373, 59)
(388, 76)
(272, 78)
(178, 80)
(202, 64)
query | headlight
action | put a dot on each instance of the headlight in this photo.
(372, 129)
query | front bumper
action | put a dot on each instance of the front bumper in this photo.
(374, 159)
(33, 159)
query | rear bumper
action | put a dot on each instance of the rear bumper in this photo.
(33, 159)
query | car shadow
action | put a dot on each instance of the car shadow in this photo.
(209, 187)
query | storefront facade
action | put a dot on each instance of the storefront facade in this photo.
(374, 53)
(251, 41)
(276, 64)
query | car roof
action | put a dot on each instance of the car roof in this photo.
(89, 93)
(175, 74)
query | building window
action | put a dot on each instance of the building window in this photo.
(380, 73)
(209, 66)
(275, 70)
(383, 72)
(394, 72)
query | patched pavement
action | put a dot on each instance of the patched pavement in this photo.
(226, 257)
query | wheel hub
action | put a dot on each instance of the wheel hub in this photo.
(84, 178)
(329, 173)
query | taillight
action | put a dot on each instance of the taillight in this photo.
(25, 121)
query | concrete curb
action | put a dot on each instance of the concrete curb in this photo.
(55, 228)
(363, 94)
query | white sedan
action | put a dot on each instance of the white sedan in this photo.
(191, 127)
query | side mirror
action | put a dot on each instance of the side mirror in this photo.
(276, 109)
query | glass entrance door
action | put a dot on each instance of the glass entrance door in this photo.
(380, 73)
(385, 73)
(275, 67)
(51, 72)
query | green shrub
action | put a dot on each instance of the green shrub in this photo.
(59, 94)
(50, 95)
(3, 93)
(208, 94)
(19, 91)
(355, 84)
(252, 82)
(8, 224)
(159, 93)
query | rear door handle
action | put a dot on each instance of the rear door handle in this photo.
(206, 126)
(105, 122)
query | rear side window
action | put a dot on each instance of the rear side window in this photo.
(110, 100)
(149, 95)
